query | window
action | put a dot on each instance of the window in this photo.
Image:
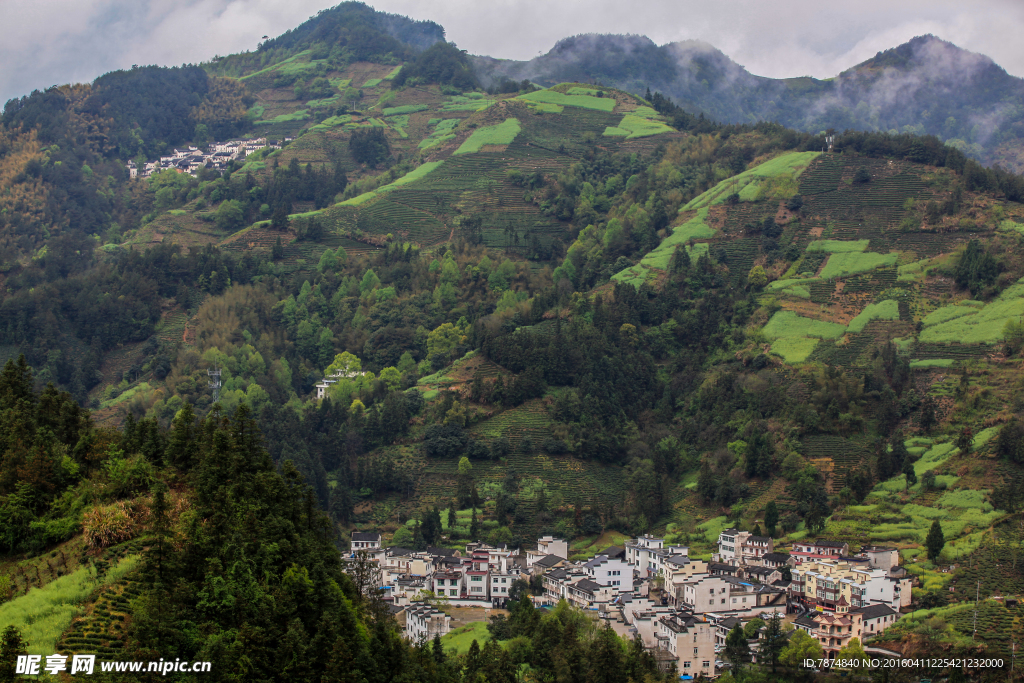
(707, 664)
(453, 592)
(476, 578)
(694, 650)
(723, 600)
(686, 665)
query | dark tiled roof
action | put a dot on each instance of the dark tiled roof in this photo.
(396, 550)
(775, 557)
(362, 536)
(823, 543)
(588, 585)
(875, 611)
(441, 552)
(548, 561)
(806, 620)
(614, 551)
(758, 539)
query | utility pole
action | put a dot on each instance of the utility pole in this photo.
(215, 383)
(977, 592)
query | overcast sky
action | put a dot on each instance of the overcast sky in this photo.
(47, 42)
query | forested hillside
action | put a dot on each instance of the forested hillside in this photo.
(569, 310)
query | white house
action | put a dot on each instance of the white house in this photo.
(364, 541)
(613, 573)
(423, 622)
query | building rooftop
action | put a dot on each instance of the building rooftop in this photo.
(549, 561)
(365, 536)
(588, 585)
(776, 557)
(876, 611)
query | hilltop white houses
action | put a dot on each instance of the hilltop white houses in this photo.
(190, 159)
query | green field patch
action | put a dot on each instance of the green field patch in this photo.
(43, 614)
(781, 285)
(933, 457)
(339, 83)
(794, 349)
(713, 528)
(583, 101)
(393, 73)
(852, 263)
(126, 395)
(473, 101)
(412, 176)
(659, 257)
(838, 246)
(884, 310)
(461, 639)
(577, 90)
(502, 134)
(984, 436)
(638, 126)
(925, 363)
(333, 122)
(405, 109)
(971, 325)
(324, 102)
(1011, 226)
(300, 115)
(290, 65)
(371, 83)
(748, 184)
(442, 133)
(965, 498)
(789, 324)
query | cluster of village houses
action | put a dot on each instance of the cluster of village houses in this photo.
(682, 608)
(191, 159)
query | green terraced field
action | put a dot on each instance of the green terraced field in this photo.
(838, 246)
(583, 101)
(789, 324)
(694, 228)
(638, 126)
(852, 263)
(972, 325)
(886, 310)
(748, 183)
(502, 134)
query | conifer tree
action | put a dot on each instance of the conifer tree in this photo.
(935, 541)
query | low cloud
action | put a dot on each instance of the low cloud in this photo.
(76, 40)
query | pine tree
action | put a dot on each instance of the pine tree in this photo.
(909, 473)
(11, 645)
(771, 517)
(737, 650)
(773, 642)
(474, 526)
(935, 541)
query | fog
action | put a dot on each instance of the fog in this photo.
(58, 41)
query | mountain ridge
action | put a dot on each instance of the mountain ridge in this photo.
(925, 86)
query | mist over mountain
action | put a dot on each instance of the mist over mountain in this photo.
(925, 86)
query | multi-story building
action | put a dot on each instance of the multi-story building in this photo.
(613, 573)
(880, 557)
(587, 594)
(423, 622)
(447, 584)
(364, 541)
(647, 554)
(823, 584)
(742, 547)
(690, 639)
(811, 551)
(726, 594)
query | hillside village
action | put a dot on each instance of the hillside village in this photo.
(682, 608)
(216, 158)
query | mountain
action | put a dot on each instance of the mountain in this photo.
(925, 86)
(390, 301)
